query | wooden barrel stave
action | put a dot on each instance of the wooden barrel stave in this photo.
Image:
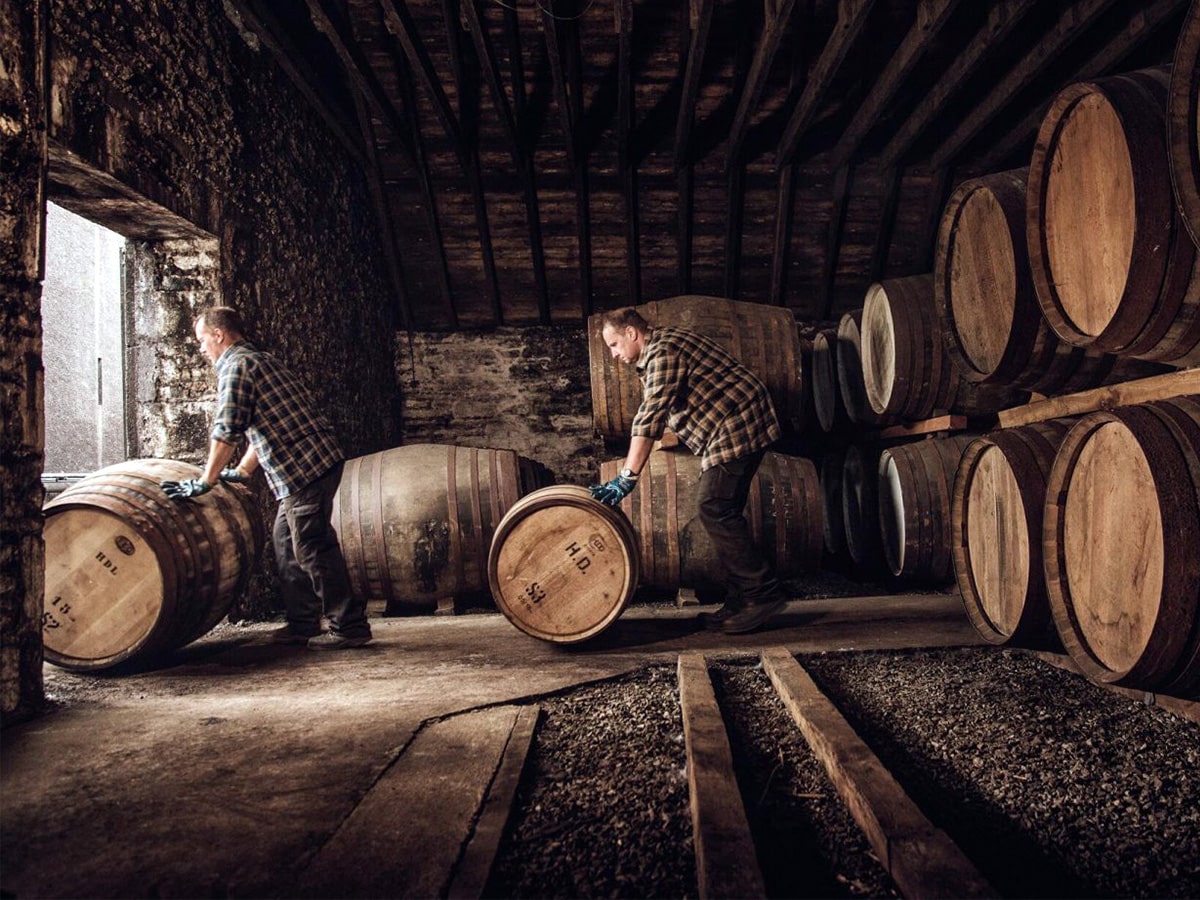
(1183, 123)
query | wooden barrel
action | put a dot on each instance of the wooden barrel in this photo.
(416, 522)
(131, 573)
(848, 359)
(860, 507)
(987, 301)
(996, 536)
(916, 483)
(763, 338)
(562, 565)
(1122, 545)
(1183, 123)
(1113, 264)
(828, 406)
(831, 473)
(783, 509)
(907, 372)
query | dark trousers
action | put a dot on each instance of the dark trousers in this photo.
(722, 497)
(312, 570)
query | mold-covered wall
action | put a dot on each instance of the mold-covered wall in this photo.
(526, 390)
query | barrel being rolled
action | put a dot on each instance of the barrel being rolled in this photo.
(416, 522)
(562, 565)
(916, 482)
(1114, 266)
(1183, 123)
(783, 510)
(1122, 545)
(132, 574)
(987, 300)
(996, 541)
(763, 338)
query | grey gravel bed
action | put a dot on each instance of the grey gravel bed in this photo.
(1053, 786)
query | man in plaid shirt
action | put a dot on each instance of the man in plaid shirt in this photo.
(722, 412)
(259, 399)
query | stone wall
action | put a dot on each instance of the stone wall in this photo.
(525, 389)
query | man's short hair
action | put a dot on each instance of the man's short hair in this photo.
(620, 319)
(224, 317)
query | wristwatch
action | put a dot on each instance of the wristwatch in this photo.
(628, 473)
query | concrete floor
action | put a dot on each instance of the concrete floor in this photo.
(225, 772)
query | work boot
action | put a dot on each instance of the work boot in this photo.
(289, 634)
(752, 617)
(712, 621)
(332, 641)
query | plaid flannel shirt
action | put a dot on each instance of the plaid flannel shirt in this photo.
(260, 398)
(719, 408)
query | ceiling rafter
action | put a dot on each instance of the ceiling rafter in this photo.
(1071, 24)
(852, 17)
(776, 15)
(700, 13)
(840, 194)
(931, 16)
(1141, 25)
(623, 24)
(522, 160)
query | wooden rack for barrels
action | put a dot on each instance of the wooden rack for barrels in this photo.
(132, 574)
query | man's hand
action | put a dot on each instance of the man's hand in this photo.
(182, 490)
(613, 492)
(234, 476)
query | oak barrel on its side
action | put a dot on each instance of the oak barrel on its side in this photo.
(996, 538)
(1183, 123)
(1122, 545)
(848, 359)
(986, 297)
(916, 483)
(860, 506)
(823, 376)
(1114, 266)
(783, 510)
(131, 573)
(762, 338)
(831, 473)
(416, 522)
(562, 565)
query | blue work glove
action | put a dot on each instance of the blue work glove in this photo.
(182, 490)
(614, 491)
(234, 476)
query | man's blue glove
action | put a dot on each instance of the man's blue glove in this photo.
(233, 475)
(613, 492)
(182, 490)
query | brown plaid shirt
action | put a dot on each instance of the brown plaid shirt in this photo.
(719, 408)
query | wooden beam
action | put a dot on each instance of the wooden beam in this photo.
(1002, 19)
(700, 20)
(263, 22)
(1144, 390)
(833, 240)
(781, 253)
(522, 160)
(1142, 24)
(852, 17)
(683, 237)
(627, 163)
(736, 192)
(1071, 24)
(941, 182)
(776, 15)
(931, 16)
(568, 90)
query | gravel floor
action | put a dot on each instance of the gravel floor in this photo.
(1054, 787)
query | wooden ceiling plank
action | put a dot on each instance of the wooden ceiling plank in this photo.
(782, 236)
(736, 191)
(833, 243)
(273, 35)
(777, 14)
(684, 233)
(623, 22)
(852, 17)
(1142, 24)
(892, 180)
(701, 13)
(522, 160)
(931, 16)
(1071, 24)
(1002, 19)
(400, 24)
(558, 81)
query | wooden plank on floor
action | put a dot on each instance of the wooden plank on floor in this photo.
(922, 859)
(405, 836)
(471, 876)
(726, 862)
